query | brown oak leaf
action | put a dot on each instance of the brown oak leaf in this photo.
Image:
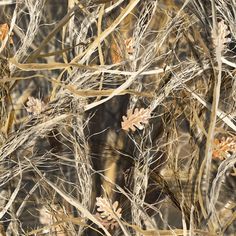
(136, 119)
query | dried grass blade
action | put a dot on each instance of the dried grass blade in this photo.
(12, 198)
(73, 202)
(57, 28)
(85, 55)
(48, 66)
(117, 91)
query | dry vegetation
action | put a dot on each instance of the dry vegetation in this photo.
(117, 117)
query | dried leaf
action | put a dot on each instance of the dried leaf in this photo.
(129, 44)
(107, 212)
(223, 148)
(108, 224)
(115, 53)
(4, 30)
(35, 106)
(136, 119)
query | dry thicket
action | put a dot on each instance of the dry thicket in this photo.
(117, 117)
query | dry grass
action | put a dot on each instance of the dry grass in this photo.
(117, 117)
